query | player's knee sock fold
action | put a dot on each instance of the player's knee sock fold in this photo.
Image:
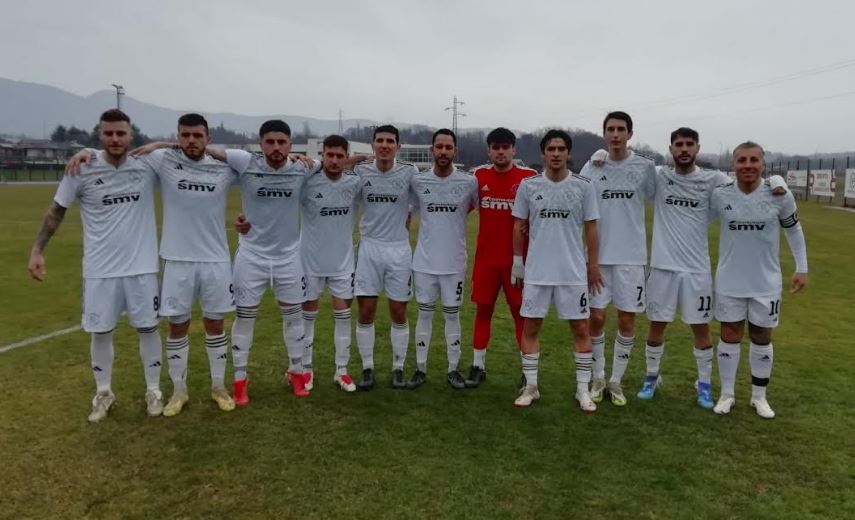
(101, 352)
(217, 346)
(242, 332)
(309, 318)
(620, 359)
(704, 357)
(518, 325)
(292, 333)
(177, 353)
(584, 364)
(365, 343)
(341, 340)
(481, 333)
(452, 336)
(728, 362)
(529, 367)
(653, 356)
(424, 331)
(400, 338)
(598, 347)
(151, 355)
(761, 359)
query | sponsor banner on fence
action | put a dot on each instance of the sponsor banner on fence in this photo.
(849, 191)
(797, 178)
(822, 184)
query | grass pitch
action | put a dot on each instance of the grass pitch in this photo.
(430, 453)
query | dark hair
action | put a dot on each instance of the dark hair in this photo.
(443, 131)
(501, 135)
(114, 115)
(622, 116)
(687, 132)
(386, 129)
(556, 134)
(274, 125)
(193, 119)
(335, 141)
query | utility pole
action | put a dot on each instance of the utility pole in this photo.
(120, 91)
(455, 113)
(340, 122)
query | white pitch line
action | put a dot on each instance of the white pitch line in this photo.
(36, 339)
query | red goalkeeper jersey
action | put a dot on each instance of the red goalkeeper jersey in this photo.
(496, 194)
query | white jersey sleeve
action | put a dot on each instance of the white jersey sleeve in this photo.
(329, 214)
(66, 192)
(239, 160)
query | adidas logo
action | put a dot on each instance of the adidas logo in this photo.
(319, 196)
(724, 355)
(640, 304)
(603, 178)
(706, 315)
(728, 208)
(97, 369)
(765, 358)
(174, 356)
(235, 347)
(179, 166)
(623, 356)
(420, 344)
(538, 198)
(368, 183)
(670, 182)
(485, 188)
(222, 356)
(426, 192)
(155, 364)
(99, 182)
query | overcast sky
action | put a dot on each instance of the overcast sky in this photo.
(778, 72)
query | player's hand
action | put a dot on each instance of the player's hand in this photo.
(148, 148)
(36, 266)
(595, 279)
(798, 282)
(310, 163)
(524, 227)
(242, 225)
(72, 167)
(517, 271)
(599, 157)
(778, 185)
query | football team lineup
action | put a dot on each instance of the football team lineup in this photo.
(575, 243)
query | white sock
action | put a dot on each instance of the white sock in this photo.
(584, 363)
(292, 332)
(598, 347)
(479, 357)
(341, 340)
(309, 318)
(761, 358)
(365, 344)
(728, 362)
(452, 336)
(217, 347)
(653, 356)
(620, 359)
(151, 355)
(177, 354)
(424, 331)
(101, 353)
(400, 337)
(704, 357)
(529, 367)
(242, 332)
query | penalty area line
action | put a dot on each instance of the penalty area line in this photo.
(37, 339)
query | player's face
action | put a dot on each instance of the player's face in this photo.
(443, 150)
(616, 134)
(385, 146)
(334, 158)
(193, 140)
(556, 154)
(748, 163)
(501, 155)
(115, 137)
(276, 147)
(684, 150)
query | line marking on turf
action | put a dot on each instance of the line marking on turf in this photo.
(36, 339)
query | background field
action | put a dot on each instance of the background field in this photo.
(431, 453)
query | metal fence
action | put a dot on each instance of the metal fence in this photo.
(32, 173)
(838, 169)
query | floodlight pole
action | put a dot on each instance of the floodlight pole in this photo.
(120, 91)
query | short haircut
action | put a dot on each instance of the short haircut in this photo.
(556, 134)
(686, 132)
(749, 144)
(386, 129)
(620, 115)
(114, 115)
(193, 119)
(335, 141)
(274, 125)
(443, 131)
(501, 135)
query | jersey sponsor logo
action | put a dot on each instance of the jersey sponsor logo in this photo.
(382, 197)
(682, 202)
(334, 211)
(617, 194)
(187, 185)
(742, 225)
(554, 213)
(500, 204)
(441, 208)
(120, 198)
(274, 193)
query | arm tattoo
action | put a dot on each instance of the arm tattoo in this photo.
(53, 218)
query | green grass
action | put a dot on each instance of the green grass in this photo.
(432, 453)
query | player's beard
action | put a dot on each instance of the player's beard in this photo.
(276, 158)
(116, 153)
(683, 164)
(194, 153)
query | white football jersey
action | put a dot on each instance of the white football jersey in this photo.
(556, 212)
(749, 245)
(271, 203)
(385, 202)
(117, 210)
(329, 213)
(681, 219)
(443, 204)
(194, 206)
(622, 189)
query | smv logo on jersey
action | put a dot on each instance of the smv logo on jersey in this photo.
(495, 203)
(682, 202)
(617, 194)
(335, 212)
(554, 213)
(735, 225)
(120, 198)
(441, 208)
(274, 193)
(382, 197)
(208, 187)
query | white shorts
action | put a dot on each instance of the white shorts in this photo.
(693, 292)
(183, 282)
(253, 274)
(763, 311)
(624, 285)
(340, 286)
(429, 287)
(571, 301)
(382, 266)
(105, 299)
